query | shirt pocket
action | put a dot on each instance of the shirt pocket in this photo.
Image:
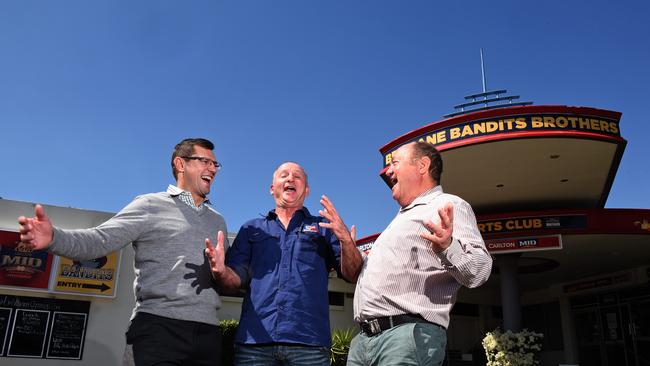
(310, 254)
(265, 253)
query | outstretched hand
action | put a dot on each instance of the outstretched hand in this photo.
(335, 223)
(216, 255)
(440, 234)
(351, 260)
(36, 232)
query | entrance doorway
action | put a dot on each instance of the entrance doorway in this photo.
(613, 331)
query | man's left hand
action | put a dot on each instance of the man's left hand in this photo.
(440, 234)
(335, 223)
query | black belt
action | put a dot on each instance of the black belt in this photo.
(377, 325)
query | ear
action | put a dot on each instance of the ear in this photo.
(307, 191)
(271, 189)
(179, 163)
(423, 165)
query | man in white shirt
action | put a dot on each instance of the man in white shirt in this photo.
(408, 282)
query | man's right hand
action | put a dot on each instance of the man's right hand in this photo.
(216, 256)
(36, 232)
(224, 275)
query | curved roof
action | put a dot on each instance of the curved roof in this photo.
(526, 157)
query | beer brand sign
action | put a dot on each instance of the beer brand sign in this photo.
(527, 244)
(21, 266)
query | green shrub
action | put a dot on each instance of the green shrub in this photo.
(341, 339)
(228, 330)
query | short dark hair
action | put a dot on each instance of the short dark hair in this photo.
(421, 149)
(186, 148)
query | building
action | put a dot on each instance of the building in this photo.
(55, 311)
(538, 178)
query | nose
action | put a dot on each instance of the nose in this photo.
(212, 167)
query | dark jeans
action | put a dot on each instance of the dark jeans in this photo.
(157, 340)
(281, 355)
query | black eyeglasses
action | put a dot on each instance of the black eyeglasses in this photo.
(205, 161)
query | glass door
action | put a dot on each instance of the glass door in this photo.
(589, 336)
(613, 329)
(614, 320)
(639, 330)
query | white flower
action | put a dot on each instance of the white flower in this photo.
(512, 349)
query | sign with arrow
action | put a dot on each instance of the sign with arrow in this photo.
(95, 277)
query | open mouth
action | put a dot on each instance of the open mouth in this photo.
(289, 189)
(207, 178)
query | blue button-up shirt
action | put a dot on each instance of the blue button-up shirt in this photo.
(285, 275)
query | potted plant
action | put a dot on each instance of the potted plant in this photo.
(228, 330)
(512, 349)
(341, 339)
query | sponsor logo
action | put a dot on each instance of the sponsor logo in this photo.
(310, 229)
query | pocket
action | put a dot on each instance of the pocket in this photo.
(140, 327)
(265, 252)
(430, 343)
(260, 236)
(310, 253)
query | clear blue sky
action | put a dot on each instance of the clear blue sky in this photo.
(94, 94)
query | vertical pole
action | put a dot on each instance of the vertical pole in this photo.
(483, 72)
(510, 301)
(568, 332)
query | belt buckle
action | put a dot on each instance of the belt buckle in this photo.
(374, 326)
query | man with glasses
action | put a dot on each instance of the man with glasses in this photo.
(175, 320)
(282, 262)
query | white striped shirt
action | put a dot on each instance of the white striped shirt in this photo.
(403, 275)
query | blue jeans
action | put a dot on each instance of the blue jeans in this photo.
(281, 355)
(412, 344)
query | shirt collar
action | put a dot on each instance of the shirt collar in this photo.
(175, 191)
(425, 197)
(272, 215)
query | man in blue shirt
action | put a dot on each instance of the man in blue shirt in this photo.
(282, 262)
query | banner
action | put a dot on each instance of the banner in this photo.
(96, 277)
(528, 244)
(21, 266)
(515, 124)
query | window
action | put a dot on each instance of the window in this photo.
(546, 319)
(336, 298)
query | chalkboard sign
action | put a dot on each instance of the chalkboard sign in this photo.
(66, 340)
(5, 316)
(42, 328)
(28, 333)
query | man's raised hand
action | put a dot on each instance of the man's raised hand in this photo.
(36, 232)
(440, 234)
(216, 255)
(335, 223)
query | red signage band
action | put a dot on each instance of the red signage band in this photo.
(513, 245)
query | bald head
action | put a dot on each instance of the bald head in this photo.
(289, 187)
